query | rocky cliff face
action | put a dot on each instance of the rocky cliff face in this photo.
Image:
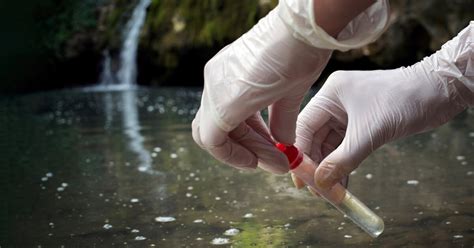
(178, 37)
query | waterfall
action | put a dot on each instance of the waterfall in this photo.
(127, 74)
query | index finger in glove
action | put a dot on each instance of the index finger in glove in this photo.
(218, 143)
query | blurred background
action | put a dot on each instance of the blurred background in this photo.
(53, 44)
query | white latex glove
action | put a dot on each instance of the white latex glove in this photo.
(274, 64)
(358, 111)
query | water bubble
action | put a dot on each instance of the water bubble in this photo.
(135, 231)
(198, 221)
(59, 189)
(232, 232)
(173, 155)
(49, 174)
(44, 179)
(107, 226)
(248, 215)
(134, 200)
(471, 134)
(190, 187)
(470, 173)
(218, 198)
(369, 176)
(139, 238)
(412, 182)
(64, 185)
(448, 222)
(458, 236)
(220, 241)
(165, 219)
(189, 194)
(198, 239)
(157, 149)
(347, 236)
(154, 154)
(460, 157)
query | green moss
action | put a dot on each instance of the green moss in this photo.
(257, 235)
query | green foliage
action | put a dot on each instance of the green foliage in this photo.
(204, 24)
(59, 21)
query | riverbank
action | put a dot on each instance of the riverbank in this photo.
(51, 43)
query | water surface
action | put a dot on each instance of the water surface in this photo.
(101, 169)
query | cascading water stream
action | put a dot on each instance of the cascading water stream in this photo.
(124, 81)
(126, 76)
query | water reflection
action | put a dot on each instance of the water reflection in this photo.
(127, 104)
(132, 130)
(95, 143)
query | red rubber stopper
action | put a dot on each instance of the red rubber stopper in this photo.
(292, 153)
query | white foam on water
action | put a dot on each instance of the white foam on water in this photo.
(49, 174)
(134, 200)
(460, 157)
(189, 194)
(412, 182)
(231, 232)
(139, 238)
(44, 179)
(135, 231)
(198, 221)
(369, 176)
(59, 189)
(64, 185)
(458, 236)
(220, 241)
(157, 149)
(248, 215)
(107, 226)
(165, 219)
(347, 236)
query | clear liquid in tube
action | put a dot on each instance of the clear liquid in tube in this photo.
(341, 199)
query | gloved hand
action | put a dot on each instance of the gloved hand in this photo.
(274, 64)
(355, 112)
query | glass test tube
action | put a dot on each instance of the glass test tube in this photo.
(303, 167)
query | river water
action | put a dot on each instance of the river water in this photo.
(102, 169)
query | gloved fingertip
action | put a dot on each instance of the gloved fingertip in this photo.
(297, 182)
(250, 162)
(326, 176)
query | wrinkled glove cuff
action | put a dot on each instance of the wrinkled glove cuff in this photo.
(453, 65)
(298, 15)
